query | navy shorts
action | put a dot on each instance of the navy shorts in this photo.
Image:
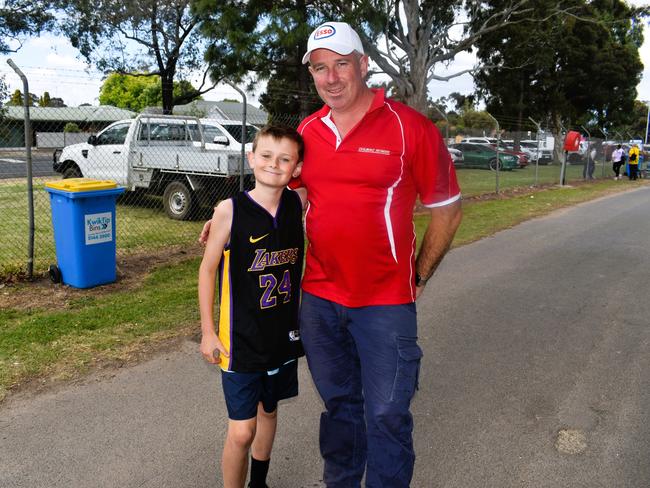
(243, 391)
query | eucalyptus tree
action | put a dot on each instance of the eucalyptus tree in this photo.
(141, 38)
(260, 40)
(20, 19)
(411, 41)
(580, 68)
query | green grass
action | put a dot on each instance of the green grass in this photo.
(40, 342)
(477, 182)
(138, 228)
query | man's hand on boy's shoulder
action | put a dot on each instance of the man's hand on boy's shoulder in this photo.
(222, 214)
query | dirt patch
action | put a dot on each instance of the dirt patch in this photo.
(131, 271)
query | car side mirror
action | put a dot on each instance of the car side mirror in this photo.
(223, 140)
(92, 140)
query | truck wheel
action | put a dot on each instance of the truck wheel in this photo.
(178, 201)
(72, 172)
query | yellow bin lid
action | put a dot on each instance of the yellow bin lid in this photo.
(81, 184)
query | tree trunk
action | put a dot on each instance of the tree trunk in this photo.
(558, 146)
(416, 88)
(167, 81)
(520, 114)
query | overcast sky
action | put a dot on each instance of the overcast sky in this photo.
(51, 64)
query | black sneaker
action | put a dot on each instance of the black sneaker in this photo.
(265, 485)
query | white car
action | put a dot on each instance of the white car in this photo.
(479, 140)
(223, 134)
(456, 156)
(544, 155)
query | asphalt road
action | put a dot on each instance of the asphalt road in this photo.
(13, 164)
(535, 374)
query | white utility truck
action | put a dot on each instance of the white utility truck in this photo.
(172, 156)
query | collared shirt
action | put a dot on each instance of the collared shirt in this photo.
(361, 192)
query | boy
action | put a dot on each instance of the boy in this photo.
(256, 242)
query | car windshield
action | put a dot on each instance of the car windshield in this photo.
(235, 132)
(531, 145)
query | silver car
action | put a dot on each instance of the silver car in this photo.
(456, 156)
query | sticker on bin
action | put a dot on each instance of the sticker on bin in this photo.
(99, 228)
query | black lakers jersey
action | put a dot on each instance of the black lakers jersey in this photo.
(259, 285)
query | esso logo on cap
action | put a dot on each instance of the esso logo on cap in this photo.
(324, 32)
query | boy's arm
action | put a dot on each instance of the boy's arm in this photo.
(216, 242)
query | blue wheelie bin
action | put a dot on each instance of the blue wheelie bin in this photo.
(83, 219)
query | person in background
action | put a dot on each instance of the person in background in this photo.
(590, 163)
(633, 159)
(643, 162)
(617, 160)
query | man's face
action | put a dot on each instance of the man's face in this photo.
(339, 79)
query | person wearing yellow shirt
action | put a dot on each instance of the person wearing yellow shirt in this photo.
(633, 160)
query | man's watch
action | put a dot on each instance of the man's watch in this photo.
(419, 281)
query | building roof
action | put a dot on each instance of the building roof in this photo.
(222, 110)
(102, 113)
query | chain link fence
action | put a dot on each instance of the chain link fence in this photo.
(175, 168)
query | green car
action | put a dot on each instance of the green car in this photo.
(484, 156)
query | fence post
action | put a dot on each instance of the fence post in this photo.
(564, 161)
(28, 156)
(539, 128)
(497, 162)
(585, 170)
(243, 135)
(647, 125)
(604, 132)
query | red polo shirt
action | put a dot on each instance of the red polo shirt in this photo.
(361, 191)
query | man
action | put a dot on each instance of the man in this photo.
(366, 160)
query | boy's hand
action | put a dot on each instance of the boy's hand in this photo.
(211, 347)
(205, 232)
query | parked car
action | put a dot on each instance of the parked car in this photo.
(456, 156)
(542, 155)
(484, 156)
(522, 157)
(163, 155)
(510, 144)
(223, 134)
(479, 140)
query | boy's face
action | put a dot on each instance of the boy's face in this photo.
(274, 162)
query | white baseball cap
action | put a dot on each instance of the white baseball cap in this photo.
(335, 36)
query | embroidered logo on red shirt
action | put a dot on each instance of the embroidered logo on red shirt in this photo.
(374, 150)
